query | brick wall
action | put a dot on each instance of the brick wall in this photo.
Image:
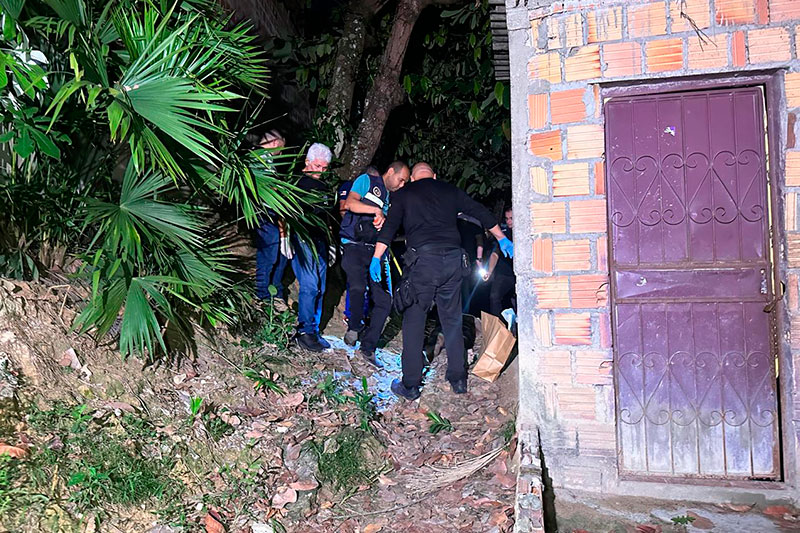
(569, 49)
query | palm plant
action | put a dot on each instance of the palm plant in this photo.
(120, 138)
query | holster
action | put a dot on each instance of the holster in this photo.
(404, 294)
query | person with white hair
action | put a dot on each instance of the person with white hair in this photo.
(311, 268)
(270, 262)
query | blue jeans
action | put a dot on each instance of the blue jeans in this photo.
(311, 272)
(270, 262)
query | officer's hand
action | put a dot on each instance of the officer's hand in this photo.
(486, 275)
(507, 247)
(375, 269)
(378, 220)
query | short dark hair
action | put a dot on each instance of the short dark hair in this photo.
(507, 208)
(397, 166)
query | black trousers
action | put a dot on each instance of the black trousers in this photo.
(355, 263)
(502, 292)
(436, 277)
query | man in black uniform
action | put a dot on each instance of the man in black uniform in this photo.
(366, 208)
(428, 210)
(501, 273)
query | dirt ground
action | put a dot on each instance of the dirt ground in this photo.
(263, 475)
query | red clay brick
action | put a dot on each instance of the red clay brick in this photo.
(738, 49)
(550, 217)
(543, 255)
(664, 55)
(704, 54)
(587, 216)
(584, 142)
(768, 45)
(576, 403)
(539, 180)
(604, 25)
(546, 144)
(793, 250)
(733, 12)
(622, 59)
(792, 291)
(571, 179)
(599, 178)
(793, 168)
(588, 291)
(596, 438)
(583, 64)
(593, 367)
(545, 67)
(541, 327)
(572, 255)
(567, 106)
(782, 10)
(792, 81)
(699, 11)
(762, 11)
(573, 328)
(647, 20)
(554, 367)
(537, 111)
(573, 30)
(602, 254)
(552, 292)
(795, 331)
(605, 330)
(790, 211)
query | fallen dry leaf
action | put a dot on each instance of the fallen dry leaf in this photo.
(214, 523)
(283, 496)
(304, 484)
(383, 480)
(776, 510)
(373, 528)
(13, 451)
(737, 507)
(291, 400)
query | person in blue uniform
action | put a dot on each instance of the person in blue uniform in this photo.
(367, 205)
(428, 209)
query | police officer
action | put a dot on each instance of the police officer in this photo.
(367, 205)
(428, 210)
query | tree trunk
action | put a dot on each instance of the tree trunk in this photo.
(345, 70)
(387, 92)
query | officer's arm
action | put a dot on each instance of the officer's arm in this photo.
(380, 249)
(493, 259)
(497, 232)
(355, 205)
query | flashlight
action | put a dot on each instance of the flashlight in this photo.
(482, 272)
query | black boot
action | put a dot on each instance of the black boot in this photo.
(309, 341)
(459, 386)
(404, 392)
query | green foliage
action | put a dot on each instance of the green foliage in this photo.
(509, 430)
(263, 380)
(100, 461)
(363, 399)
(120, 146)
(459, 119)
(215, 425)
(438, 423)
(683, 520)
(343, 463)
(331, 390)
(195, 404)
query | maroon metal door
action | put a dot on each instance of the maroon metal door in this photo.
(695, 365)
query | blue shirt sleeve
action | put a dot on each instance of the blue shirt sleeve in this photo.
(361, 185)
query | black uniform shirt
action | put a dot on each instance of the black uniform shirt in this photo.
(505, 265)
(428, 210)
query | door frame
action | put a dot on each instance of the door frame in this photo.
(772, 82)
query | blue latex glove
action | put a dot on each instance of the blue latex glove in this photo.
(375, 269)
(506, 246)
